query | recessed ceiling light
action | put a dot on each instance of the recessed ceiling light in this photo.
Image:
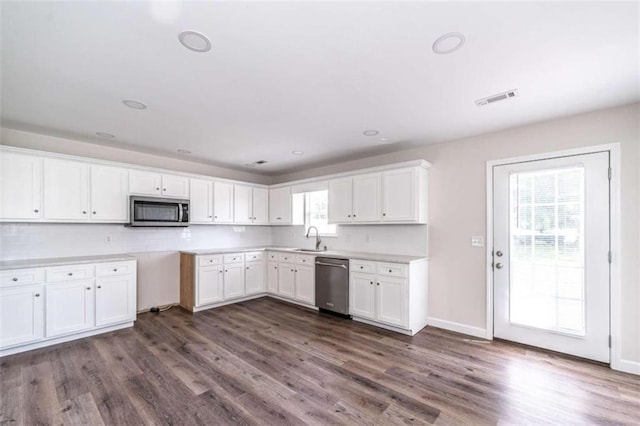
(105, 135)
(448, 43)
(371, 132)
(134, 104)
(193, 40)
(184, 151)
(297, 152)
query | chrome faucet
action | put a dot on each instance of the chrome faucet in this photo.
(318, 240)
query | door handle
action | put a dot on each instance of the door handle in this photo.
(498, 265)
(331, 264)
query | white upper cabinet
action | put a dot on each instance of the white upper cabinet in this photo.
(66, 190)
(150, 183)
(175, 186)
(340, 202)
(200, 201)
(20, 187)
(260, 206)
(109, 189)
(391, 196)
(222, 202)
(399, 195)
(145, 183)
(250, 205)
(280, 206)
(366, 198)
(242, 204)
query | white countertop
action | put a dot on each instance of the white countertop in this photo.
(377, 257)
(56, 261)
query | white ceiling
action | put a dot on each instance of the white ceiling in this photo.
(307, 76)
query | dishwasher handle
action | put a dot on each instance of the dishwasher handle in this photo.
(331, 264)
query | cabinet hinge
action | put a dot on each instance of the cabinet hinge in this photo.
(610, 256)
(609, 173)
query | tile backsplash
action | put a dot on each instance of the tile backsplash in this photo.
(42, 240)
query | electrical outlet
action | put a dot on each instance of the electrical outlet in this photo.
(107, 239)
(477, 241)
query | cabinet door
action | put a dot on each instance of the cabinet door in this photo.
(366, 198)
(260, 206)
(115, 300)
(200, 201)
(209, 285)
(254, 277)
(287, 280)
(66, 190)
(305, 284)
(340, 205)
(280, 206)
(21, 315)
(175, 186)
(222, 202)
(399, 197)
(233, 281)
(242, 197)
(109, 194)
(272, 277)
(70, 307)
(20, 186)
(145, 183)
(362, 295)
(391, 301)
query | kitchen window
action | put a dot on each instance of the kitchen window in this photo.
(310, 209)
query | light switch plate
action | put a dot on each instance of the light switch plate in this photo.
(477, 241)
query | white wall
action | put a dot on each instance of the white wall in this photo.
(155, 248)
(408, 240)
(457, 207)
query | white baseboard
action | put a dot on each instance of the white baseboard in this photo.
(457, 327)
(632, 367)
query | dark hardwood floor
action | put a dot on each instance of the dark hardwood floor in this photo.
(268, 362)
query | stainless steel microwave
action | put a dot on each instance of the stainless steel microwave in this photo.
(149, 211)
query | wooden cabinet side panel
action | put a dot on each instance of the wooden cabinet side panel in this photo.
(187, 281)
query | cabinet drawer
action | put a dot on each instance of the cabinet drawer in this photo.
(253, 256)
(209, 260)
(21, 277)
(114, 268)
(393, 270)
(286, 257)
(364, 266)
(71, 272)
(272, 256)
(234, 258)
(305, 260)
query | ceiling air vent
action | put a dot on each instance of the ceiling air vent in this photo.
(497, 97)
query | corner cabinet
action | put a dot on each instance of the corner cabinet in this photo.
(389, 295)
(48, 305)
(250, 205)
(390, 196)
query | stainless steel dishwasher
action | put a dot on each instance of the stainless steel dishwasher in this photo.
(332, 284)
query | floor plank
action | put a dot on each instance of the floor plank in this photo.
(268, 362)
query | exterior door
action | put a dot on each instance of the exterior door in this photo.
(551, 254)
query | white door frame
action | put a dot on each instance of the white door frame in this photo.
(615, 284)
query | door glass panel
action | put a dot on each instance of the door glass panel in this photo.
(547, 253)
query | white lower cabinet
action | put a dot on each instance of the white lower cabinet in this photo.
(287, 280)
(254, 277)
(305, 284)
(389, 294)
(21, 315)
(272, 277)
(70, 307)
(210, 289)
(46, 305)
(233, 281)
